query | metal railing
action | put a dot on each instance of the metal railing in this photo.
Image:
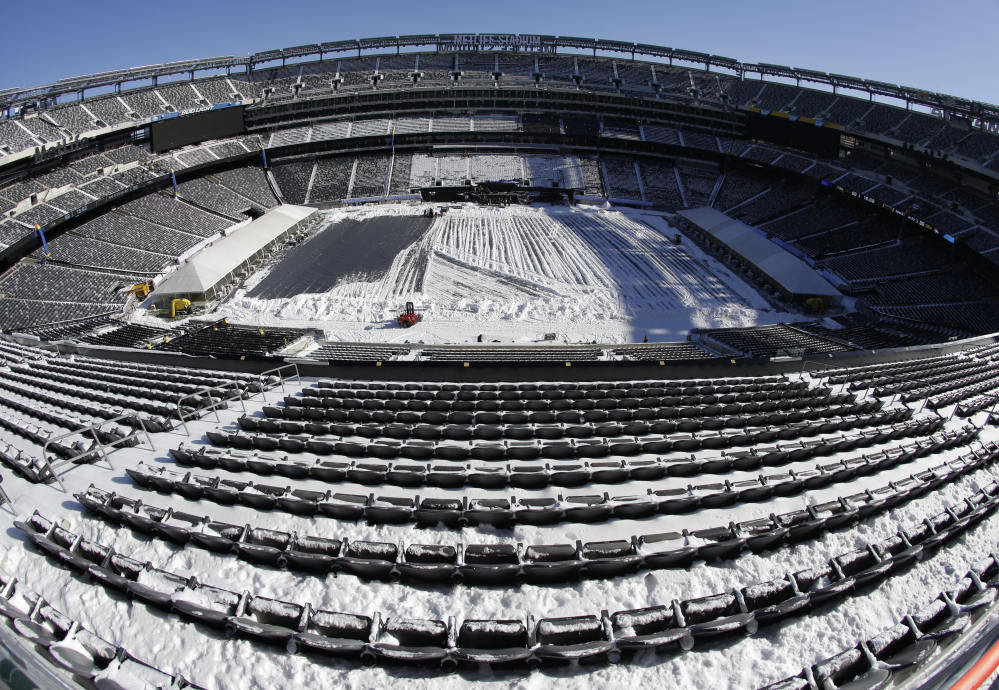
(102, 447)
(904, 377)
(240, 395)
(21, 666)
(989, 406)
(281, 379)
(804, 367)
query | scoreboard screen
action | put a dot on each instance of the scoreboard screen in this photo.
(185, 129)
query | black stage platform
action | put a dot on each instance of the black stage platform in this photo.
(350, 249)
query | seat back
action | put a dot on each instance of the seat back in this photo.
(341, 625)
(275, 612)
(566, 631)
(645, 621)
(417, 632)
(486, 634)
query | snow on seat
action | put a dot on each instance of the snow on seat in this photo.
(429, 563)
(551, 563)
(369, 560)
(268, 620)
(414, 641)
(656, 628)
(567, 639)
(206, 604)
(493, 642)
(335, 634)
(718, 614)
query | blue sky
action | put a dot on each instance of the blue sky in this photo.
(938, 46)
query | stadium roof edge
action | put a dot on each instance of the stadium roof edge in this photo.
(13, 97)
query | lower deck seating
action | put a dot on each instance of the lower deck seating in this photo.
(227, 339)
(900, 259)
(663, 351)
(20, 315)
(955, 285)
(864, 233)
(660, 184)
(369, 179)
(595, 637)
(71, 331)
(970, 318)
(357, 352)
(622, 179)
(129, 335)
(293, 179)
(332, 179)
(490, 457)
(768, 341)
(875, 337)
(522, 354)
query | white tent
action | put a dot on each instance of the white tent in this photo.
(787, 273)
(199, 278)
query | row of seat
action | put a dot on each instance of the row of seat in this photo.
(504, 513)
(170, 393)
(910, 380)
(440, 413)
(982, 351)
(498, 564)
(577, 442)
(26, 466)
(70, 647)
(526, 392)
(872, 371)
(978, 403)
(524, 476)
(541, 412)
(55, 417)
(77, 451)
(768, 341)
(934, 385)
(442, 476)
(173, 374)
(153, 416)
(896, 653)
(692, 406)
(938, 395)
(226, 339)
(32, 466)
(519, 354)
(604, 637)
(344, 384)
(950, 398)
(663, 352)
(185, 385)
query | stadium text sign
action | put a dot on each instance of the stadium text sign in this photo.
(495, 41)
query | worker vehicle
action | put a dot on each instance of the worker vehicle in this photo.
(409, 318)
(140, 290)
(179, 306)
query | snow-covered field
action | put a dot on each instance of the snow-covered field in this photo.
(514, 274)
(210, 660)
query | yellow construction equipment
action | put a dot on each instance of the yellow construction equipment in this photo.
(179, 305)
(140, 290)
(816, 304)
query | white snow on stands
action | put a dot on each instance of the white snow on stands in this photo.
(513, 274)
(214, 662)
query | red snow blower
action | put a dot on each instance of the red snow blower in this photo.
(409, 318)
